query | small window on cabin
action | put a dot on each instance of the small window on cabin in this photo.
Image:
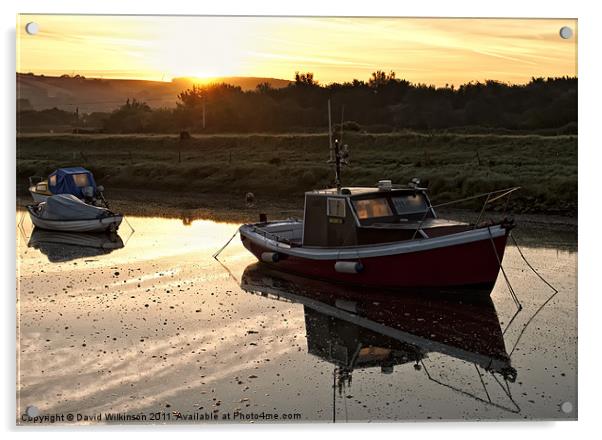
(335, 207)
(370, 208)
(42, 187)
(52, 180)
(81, 180)
(410, 203)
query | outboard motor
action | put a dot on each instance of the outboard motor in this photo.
(100, 193)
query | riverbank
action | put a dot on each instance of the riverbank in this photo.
(277, 167)
(194, 206)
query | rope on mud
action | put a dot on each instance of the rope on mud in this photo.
(474, 396)
(520, 335)
(531, 267)
(21, 219)
(129, 224)
(506, 390)
(511, 321)
(21, 228)
(554, 289)
(132, 231)
(482, 382)
(236, 280)
(224, 246)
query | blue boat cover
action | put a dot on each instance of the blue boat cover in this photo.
(71, 181)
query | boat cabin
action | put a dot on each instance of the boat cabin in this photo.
(358, 216)
(75, 180)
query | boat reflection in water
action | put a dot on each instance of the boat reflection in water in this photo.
(67, 246)
(358, 329)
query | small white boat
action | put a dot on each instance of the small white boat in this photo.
(65, 212)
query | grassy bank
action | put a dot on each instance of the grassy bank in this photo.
(273, 166)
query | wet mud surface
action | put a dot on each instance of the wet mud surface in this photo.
(149, 323)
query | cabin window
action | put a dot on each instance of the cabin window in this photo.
(81, 180)
(52, 180)
(372, 208)
(335, 207)
(42, 187)
(410, 203)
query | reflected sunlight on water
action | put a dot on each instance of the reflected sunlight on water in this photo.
(159, 325)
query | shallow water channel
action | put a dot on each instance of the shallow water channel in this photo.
(148, 327)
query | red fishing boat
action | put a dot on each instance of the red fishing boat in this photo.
(387, 237)
(374, 238)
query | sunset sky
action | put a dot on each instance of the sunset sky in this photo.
(432, 51)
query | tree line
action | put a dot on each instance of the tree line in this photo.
(383, 103)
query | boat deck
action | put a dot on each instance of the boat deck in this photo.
(291, 232)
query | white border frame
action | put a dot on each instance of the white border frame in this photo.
(589, 158)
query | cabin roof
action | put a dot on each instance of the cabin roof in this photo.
(359, 190)
(72, 170)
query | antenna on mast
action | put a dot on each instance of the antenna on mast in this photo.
(330, 133)
(338, 154)
(342, 121)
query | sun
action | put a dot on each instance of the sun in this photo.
(204, 77)
(203, 48)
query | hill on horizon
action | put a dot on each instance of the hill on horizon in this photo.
(88, 95)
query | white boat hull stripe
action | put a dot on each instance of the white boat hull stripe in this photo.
(368, 251)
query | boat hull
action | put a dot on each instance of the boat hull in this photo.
(110, 223)
(38, 197)
(469, 264)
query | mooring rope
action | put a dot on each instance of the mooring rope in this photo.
(510, 289)
(554, 289)
(224, 246)
(511, 321)
(236, 280)
(520, 335)
(482, 382)
(530, 266)
(128, 223)
(471, 395)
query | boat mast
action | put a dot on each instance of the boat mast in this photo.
(337, 165)
(336, 154)
(330, 133)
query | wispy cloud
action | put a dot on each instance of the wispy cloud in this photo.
(435, 51)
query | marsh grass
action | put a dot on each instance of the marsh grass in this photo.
(275, 166)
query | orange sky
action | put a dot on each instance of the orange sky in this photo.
(432, 51)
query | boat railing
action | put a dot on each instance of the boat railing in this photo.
(490, 197)
(285, 236)
(34, 180)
